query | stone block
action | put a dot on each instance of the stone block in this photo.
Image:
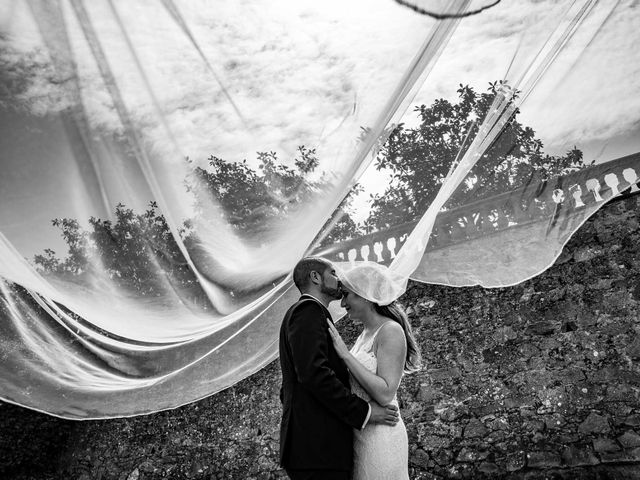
(518, 402)
(455, 431)
(444, 374)
(428, 395)
(527, 294)
(527, 350)
(602, 284)
(574, 456)
(527, 412)
(627, 456)
(586, 393)
(586, 319)
(594, 423)
(568, 438)
(495, 437)
(420, 458)
(543, 460)
(432, 443)
(633, 350)
(543, 327)
(603, 444)
(534, 379)
(474, 429)
(554, 421)
(629, 439)
(569, 375)
(488, 409)
(615, 329)
(568, 326)
(489, 468)
(467, 455)
(586, 253)
(498, 424)
(620, 393)
(537, 363)
(632, 420)
(515, 462)
(534, 425)
(550, 343)
(451, 413)
(619, 410)
(501, 355)
(604, 375)
(443, 457)
(504, 334)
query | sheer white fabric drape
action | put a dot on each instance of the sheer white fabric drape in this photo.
(165, 164)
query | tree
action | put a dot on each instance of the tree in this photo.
(419, 158)
(252, 198)
(77, 256)
(138, 251)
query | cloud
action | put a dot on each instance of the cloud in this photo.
(313, 73)
(295, 70)
(589, 94)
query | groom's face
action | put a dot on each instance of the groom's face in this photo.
(330, 284)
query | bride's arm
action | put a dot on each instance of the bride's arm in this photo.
(391, 353)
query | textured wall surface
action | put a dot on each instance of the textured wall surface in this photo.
(540, 380)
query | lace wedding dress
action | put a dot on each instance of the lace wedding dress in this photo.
(380, 452)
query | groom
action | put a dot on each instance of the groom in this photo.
(319, 410)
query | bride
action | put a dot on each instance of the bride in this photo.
(385, 350)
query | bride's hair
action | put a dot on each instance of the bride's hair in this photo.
(395, 312)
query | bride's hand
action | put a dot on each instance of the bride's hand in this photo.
(340, 346)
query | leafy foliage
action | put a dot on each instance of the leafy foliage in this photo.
(251, 198)
(136, 251)
(418, 159)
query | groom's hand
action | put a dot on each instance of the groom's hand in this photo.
(388, 415)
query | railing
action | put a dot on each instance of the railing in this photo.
(537, 201)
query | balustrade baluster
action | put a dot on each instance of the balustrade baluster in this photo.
(576, 194)
(611, 180)
(593, 185)
(377, 249)
(630, 175)
(391, 246)
(457, 226)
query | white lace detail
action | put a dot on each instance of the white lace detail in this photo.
(380, 452)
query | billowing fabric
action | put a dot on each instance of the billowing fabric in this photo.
(166, 163)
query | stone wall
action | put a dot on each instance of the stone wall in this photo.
(540, 380)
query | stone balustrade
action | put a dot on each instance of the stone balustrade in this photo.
(537, 201)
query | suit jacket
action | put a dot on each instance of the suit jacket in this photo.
(319, 410)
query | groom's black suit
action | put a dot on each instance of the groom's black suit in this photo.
(319, 410)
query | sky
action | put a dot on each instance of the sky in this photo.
(298, 73)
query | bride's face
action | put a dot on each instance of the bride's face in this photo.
(354, 304)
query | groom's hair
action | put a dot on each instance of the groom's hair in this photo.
(303, 269)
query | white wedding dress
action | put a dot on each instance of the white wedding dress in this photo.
(380, 452)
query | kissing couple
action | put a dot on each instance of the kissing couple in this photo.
(340, 416)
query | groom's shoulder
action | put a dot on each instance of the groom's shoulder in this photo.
(306, 307)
